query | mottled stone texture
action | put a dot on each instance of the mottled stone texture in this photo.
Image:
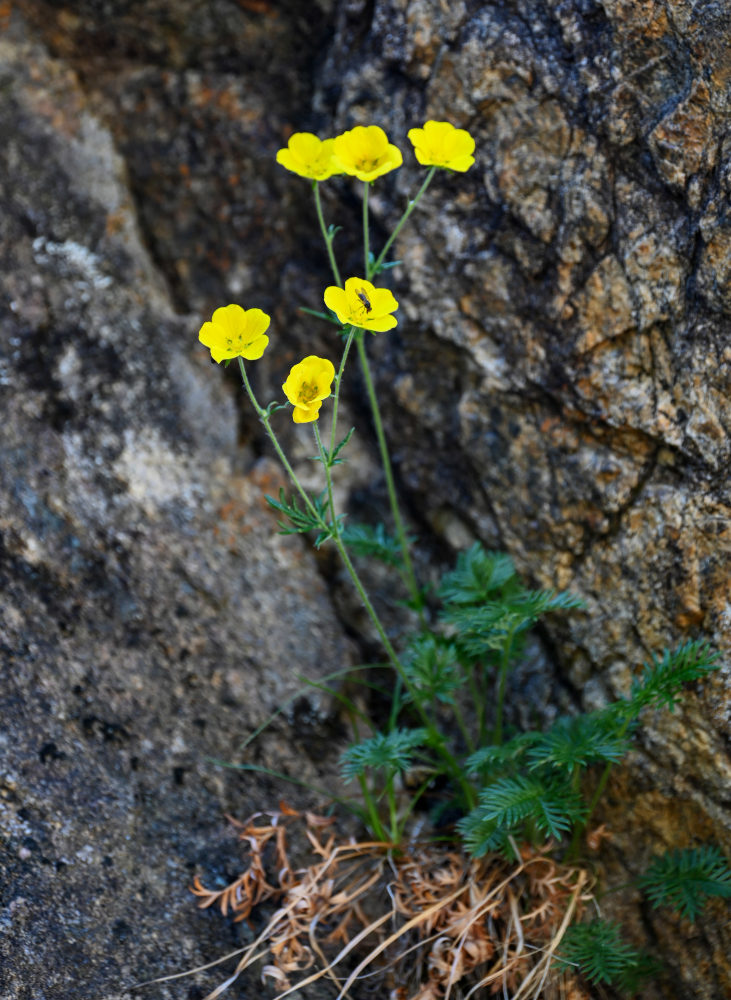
(561, 388)
(558, 386)
(151, 617)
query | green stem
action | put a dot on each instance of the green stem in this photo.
(372, 811)
(497, 734)
(392, 809)
(277, 447)
(451, 765)
(593, 803)
(366, 247)
(336, 394)
(478, 700)
(459, 718)
(409, 575)
(328, 237)
(400, 224)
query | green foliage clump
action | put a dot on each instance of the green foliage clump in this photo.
(604, 957)
(445, 731)
(684, 879)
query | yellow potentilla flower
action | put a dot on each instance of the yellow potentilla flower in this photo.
(309, 156)
(308, 383)
(366, 153)
(362, 305)
(440, 144)
(234, 332)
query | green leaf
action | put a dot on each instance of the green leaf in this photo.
(273, 407)
(481, 835)
(579, 741)
(328, 316)
(684, 879)
(366, 540)
(392, 752)
(601, 954)
(494, 623)
(386, 266)
(477, 577)
(504, 757)
(333, 459)
(303, 519)
(432, 665)
(662, 680)
(552, 808)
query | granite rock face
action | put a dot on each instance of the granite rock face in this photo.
(562, 386)
(151, 617)
(558, 384)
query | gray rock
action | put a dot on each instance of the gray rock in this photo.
(557, 386)
(151, 616)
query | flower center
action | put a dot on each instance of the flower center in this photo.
(307, 393)
(368, 163)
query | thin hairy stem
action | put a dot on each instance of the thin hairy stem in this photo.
(326, 235)
(580, 828)
(400, 224)
(336, 394)
(497, 733)
(366, 242)
(436, 741)
(277, 447)
(409, 574)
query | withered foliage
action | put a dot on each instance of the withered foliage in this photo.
(427, 923)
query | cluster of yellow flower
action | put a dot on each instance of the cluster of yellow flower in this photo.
(363, 152)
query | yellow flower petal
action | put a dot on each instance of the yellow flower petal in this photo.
(308, 383)
(305, 415)
(336, 299)
(366, 153)
(363, 305)
(308, 156)
(440, 144)
(234, 332)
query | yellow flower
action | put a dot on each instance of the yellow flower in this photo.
(440, 144)
(362, 305)
(235, 332)
(309, 156)
(308, 383)
(366, 153)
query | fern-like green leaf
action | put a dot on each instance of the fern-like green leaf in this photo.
(432, 666)
(579, 741)
(601, 954)
(482, 836)
(392, 752)
(488, 627)
(302, 519)
(477, 576)
(662, 680)
(684, 879)
(487, 760)
(551, 807)
(366, 540)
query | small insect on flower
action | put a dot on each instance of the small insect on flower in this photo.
(363, 305)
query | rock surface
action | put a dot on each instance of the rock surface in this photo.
(558, 386)
(561, 387)
(151, 616)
